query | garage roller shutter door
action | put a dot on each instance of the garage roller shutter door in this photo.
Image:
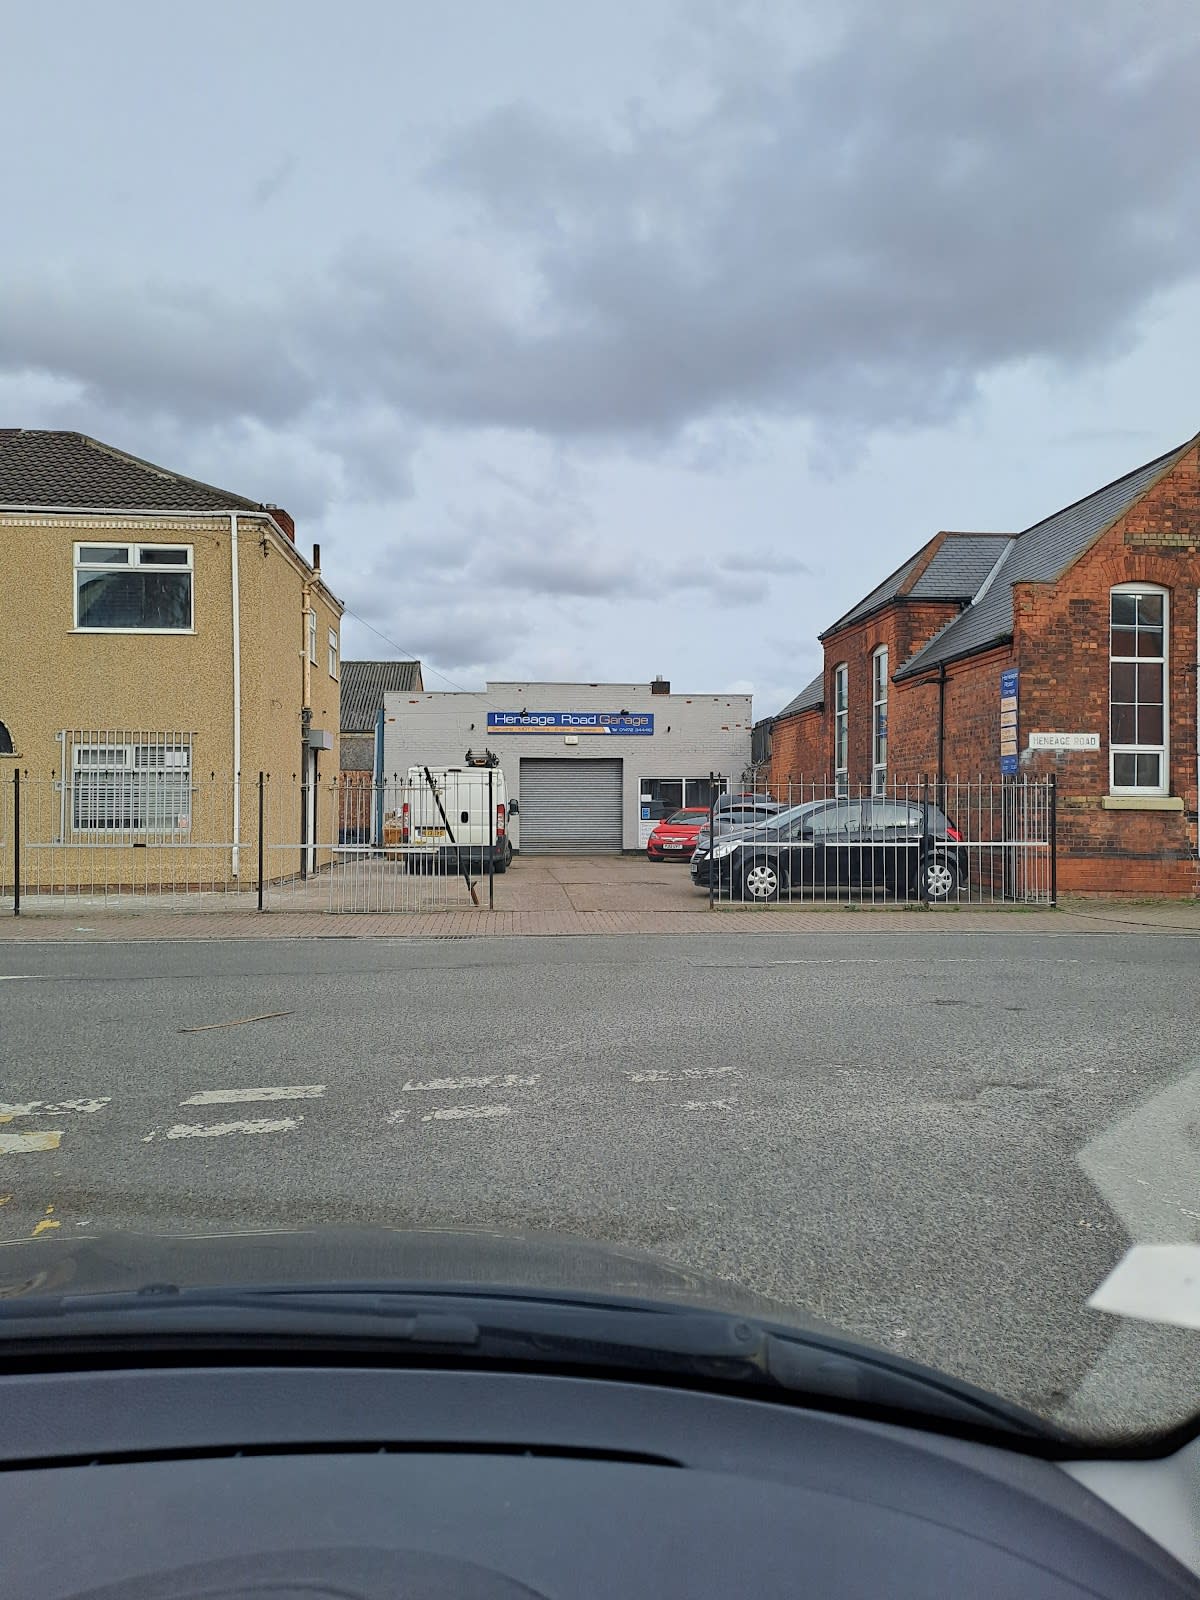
(570, 807)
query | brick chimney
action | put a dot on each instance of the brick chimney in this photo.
(284, 519)
(660, 685)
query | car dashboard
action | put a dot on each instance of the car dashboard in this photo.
(364, 1481)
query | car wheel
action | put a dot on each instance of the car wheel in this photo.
(761, 882)
(941, 878)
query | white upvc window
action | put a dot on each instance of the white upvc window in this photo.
(333, 653)
(312, 637)
(1138, 689)
(133, 588)
(131, 784)
(879, 719)
(841, 727)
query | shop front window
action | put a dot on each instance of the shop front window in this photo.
(663, 797)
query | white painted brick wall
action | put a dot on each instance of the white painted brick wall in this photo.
(694, 734)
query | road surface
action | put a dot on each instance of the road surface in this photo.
(892, 1130)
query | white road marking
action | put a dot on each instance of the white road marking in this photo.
(661, 1075)
(15, 977)
(231, 1097)
(1154, 1283)
(23, 1144)
(491, 1080)
(1144, 1167)
(1145, 1164)
(215, 1130)
(709, 1105)
(457, 1113)
(57, 1108)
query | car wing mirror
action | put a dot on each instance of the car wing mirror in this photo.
(514, 810)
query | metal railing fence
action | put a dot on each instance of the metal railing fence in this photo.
(99, 836)
(915, 841)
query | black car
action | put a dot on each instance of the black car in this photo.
(898, 846)
(732, 813)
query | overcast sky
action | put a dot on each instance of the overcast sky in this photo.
(597, 341)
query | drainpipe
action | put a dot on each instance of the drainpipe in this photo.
(941, 742)
(306, 591)
(235, 591)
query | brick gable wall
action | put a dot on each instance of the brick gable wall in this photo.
(1061, 636)
(802, 745)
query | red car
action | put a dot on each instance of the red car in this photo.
(674, 839)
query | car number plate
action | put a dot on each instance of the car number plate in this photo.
(670, 846)
(432, 833)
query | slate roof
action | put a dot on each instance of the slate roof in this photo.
(960, 566)
(1037, 555)
(364, 684)
(808, 699)
(51, 468)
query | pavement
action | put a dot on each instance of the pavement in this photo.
(540, 895)
(930, 1141)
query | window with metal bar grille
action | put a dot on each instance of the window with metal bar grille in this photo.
(131, 784)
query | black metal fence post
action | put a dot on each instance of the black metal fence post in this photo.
(712, 839)
(926, 852)
(1053, 839)
(16, 841)
(261, 842)
(492, 840)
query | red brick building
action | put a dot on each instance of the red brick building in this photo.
(1095, 609)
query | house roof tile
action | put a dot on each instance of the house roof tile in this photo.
(48, 467)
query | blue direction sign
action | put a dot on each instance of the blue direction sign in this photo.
(1009, 696)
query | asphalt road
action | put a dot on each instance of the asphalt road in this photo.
(897, 1132)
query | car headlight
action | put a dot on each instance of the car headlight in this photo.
(723, 850)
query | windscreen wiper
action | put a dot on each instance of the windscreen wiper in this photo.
(701, 1347)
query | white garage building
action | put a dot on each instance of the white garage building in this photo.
(592, 765)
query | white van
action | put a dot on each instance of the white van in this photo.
(450, 819)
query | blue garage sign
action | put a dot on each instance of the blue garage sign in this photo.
(600, 722)
(1009, 694)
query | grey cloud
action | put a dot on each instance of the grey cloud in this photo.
(775, 563)
(934, 194)
(724, 588)
(463, 636)
(269, 185)
(588, 576)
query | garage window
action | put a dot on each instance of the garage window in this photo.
(1137, 717)
(663, 797)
